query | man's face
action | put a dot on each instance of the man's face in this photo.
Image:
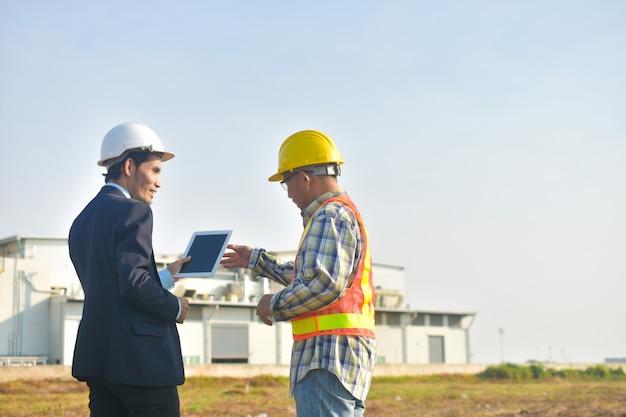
(296, 189)
(144, 179)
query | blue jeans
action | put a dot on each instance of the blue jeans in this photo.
(320, 394)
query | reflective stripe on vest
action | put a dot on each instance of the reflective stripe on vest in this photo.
(353, 314)
(331, 322)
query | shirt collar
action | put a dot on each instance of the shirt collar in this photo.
(311, 208)
(119, 187)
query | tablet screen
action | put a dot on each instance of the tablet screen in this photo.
(206, 250)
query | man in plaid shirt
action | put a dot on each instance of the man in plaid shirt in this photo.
(329, 293)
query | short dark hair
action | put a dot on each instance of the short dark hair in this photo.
(115, 170)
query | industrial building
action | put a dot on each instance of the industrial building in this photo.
(41, 302)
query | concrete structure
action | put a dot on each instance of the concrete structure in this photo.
(41, 305)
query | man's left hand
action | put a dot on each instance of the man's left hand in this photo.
(174, 267)
(263, 309)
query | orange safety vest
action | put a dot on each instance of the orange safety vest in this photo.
(352, 314)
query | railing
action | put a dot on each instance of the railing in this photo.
(22, 360)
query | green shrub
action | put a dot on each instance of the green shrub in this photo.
(598, 371)
(534, 371)
(603, 372)
(537, 371)
(506, 371)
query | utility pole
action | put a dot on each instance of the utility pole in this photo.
(501, 331)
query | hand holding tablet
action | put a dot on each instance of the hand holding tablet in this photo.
(206, 250)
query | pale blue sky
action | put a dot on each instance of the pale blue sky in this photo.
(485, 142)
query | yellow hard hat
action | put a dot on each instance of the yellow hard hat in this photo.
(305, 148)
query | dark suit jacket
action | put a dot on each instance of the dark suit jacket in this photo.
(128, 331)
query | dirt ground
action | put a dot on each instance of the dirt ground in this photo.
(232, 397)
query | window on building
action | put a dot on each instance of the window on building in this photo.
(454, 320)
(225, 275)
(436, 319)
(420, 320)
(393, 319)
(191, 360)
(194, 313)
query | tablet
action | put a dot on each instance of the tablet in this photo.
(206, 250)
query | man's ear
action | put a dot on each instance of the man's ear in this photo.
(127, 166)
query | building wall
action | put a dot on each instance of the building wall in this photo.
(24, 307)
(454, 344)
(227, 333)
(410, 344)
(41, 307)
(6, 306)
(192, 335)
(49, 252)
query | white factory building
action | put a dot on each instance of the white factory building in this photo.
(41, 304)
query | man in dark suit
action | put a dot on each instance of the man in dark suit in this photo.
(127, 349)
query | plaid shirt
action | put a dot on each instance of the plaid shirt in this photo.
(326, 260)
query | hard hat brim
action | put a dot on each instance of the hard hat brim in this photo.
(111, 161)
(318, 169)
(279, 176)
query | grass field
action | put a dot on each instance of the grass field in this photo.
(463, 396)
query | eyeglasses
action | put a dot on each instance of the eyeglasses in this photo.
(283, 183)
(321, 170)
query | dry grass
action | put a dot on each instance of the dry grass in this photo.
(389, 397)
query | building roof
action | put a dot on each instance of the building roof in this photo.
(17, 238)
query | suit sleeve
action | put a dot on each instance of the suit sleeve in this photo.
(137, 275)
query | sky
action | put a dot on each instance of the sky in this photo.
(485, 141)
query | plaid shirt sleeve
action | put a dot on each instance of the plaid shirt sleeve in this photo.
(325, 262)
(270, 266)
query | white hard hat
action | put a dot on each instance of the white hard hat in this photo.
(126, 137)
